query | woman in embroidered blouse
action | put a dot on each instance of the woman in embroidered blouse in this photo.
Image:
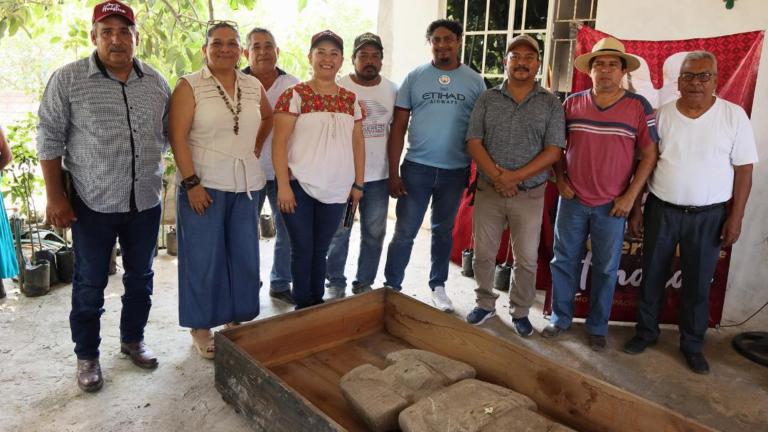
(219, 119)
(319, 158)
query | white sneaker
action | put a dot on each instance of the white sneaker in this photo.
(334, 292)
(441, 300)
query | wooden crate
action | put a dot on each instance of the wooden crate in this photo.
(283, 372)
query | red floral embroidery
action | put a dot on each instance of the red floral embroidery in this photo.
(284, 101)
(344, 102)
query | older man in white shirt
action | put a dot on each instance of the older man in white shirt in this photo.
(697, 197)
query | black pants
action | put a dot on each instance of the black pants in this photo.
(698, 234)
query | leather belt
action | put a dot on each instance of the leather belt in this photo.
(524, 188)
(689, 209)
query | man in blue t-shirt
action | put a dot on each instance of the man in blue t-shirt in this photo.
(439, 96)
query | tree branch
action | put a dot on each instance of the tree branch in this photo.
(173, 11)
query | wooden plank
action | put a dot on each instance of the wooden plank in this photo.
(319, 383)
(381, 344)
(567, 395)
(261, 396)
(297, 334)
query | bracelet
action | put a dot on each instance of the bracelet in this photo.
(357, 187)
(190, 182)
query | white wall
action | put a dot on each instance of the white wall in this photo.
(685, 19)
(402, 26)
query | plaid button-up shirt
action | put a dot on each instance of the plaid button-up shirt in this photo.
(110, 134)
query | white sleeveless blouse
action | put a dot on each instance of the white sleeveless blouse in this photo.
(225, 161)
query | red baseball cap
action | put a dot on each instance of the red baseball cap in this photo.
(327, 35)
(112, 7)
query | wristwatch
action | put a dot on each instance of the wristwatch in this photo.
(358, 187)
(190, 182)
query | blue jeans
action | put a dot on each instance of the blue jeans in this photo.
(311, 228)
(574, 223)
(280, 276)
(373, 226)
(422, 182)
(94, 237)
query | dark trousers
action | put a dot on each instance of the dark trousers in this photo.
(94, 235)
(698, 234)
(311, 228)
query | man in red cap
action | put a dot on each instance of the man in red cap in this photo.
(103, 121)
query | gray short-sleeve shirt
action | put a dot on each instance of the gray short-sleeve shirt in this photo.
(514, 134)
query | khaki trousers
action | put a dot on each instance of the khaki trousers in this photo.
(492, 213)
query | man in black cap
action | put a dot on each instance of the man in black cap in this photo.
(377, 94)
(104, 118)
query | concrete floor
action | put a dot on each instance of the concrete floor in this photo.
(37, 365)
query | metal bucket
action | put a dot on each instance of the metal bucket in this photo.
(266, 226)
(466, 262)
(172, 246)
(501, 277)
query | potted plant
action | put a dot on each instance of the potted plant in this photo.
(22, 182)
(168, 239)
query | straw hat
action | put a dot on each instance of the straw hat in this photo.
(606, 46)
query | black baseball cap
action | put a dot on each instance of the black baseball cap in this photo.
(367, 38)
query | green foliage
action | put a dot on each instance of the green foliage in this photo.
(171, 32)
(21, 177)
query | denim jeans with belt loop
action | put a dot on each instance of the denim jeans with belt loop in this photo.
(280, 275)
(93, 237)
(575, 222)
(422, 183)
(311, 227)
(373, 226)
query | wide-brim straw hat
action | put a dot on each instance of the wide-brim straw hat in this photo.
(606, 46)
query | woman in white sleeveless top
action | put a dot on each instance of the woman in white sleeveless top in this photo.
(219, 119)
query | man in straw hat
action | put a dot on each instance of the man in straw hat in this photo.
(516, 132)
(598, 181)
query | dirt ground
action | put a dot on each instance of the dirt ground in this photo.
(37, 366)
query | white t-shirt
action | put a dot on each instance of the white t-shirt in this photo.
(282, 82)
(697, 156)
(379, 101)
(320, 153)
(225, 161)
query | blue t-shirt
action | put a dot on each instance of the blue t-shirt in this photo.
(440, 102)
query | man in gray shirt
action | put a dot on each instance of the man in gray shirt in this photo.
(105, 118)
(516, 132)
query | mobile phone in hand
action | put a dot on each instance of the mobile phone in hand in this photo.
(349, 214)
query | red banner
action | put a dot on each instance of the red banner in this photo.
(738, 60)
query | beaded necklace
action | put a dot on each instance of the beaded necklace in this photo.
(235, 112)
